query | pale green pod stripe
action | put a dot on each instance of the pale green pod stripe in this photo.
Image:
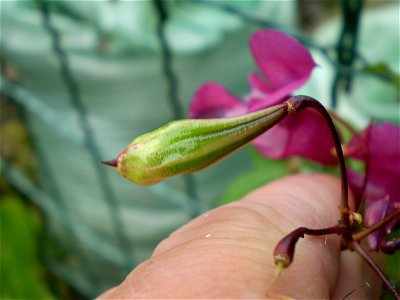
(187, 146)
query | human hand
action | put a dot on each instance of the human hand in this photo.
(227, 252)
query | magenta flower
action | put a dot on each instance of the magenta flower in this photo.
(379, 147)
(284, 62)
(286, 65)
(212, 100)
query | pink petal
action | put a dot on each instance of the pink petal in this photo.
(377, 211)
(304, 134)
(356, 183)
(285, 63)
(212, 100)
(380, 144)
(259, 98)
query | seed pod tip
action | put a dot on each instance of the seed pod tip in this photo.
(111, 163)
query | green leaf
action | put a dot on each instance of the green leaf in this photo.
(20, 271)
(392, 272)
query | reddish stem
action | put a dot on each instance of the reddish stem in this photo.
(298, 103)
(362, 234)
(363, 152)
(356, 246)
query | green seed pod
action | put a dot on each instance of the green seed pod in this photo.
(187, 146)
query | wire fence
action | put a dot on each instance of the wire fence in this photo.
(121, 242)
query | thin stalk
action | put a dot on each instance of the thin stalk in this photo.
(362, 150)
(356, 246)
(362, 234)
(298, 103)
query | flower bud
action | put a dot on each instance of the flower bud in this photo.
(187, 146)
(284, 250)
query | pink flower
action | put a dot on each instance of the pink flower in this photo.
(212, 100)
(286, 65)
(379, 147)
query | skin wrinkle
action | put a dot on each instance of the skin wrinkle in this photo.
(199, 243)
(217, 240)
(211, 225)
(270, 215)
(217, 247)
(292, 204)
(204, 229)
(236, 260)
(245, 260)
(291, 201)
(219, 213)
(229, 270)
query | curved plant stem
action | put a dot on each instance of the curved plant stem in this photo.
(298, 103)
(356, 246)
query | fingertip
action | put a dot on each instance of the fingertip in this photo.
(227, 252)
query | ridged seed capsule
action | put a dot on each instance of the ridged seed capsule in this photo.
(187, 146)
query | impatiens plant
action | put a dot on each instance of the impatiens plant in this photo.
(281, 125)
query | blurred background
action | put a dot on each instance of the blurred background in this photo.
(81, 79)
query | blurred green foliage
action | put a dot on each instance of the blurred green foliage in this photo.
(263, 171)
(392, 272)
(21, 272)
(383, 70)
